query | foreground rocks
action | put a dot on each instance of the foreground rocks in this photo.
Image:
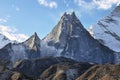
(58, 68)
(102, 72)
(64, 71)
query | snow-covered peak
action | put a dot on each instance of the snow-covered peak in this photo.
(116, 11)
(107, 30)
(4, 40)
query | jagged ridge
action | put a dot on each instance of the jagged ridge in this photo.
(76, 43)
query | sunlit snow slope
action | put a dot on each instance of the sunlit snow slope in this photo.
(107, 30)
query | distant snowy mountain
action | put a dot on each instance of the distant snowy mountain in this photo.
(107, 30)
(4, 40)
(70, 39)
(30, 49)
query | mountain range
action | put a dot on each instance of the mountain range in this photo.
(68, 39)
(74, 41)
(66, 53)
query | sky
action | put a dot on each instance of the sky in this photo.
(19, 19)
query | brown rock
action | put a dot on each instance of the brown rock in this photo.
(102, 72)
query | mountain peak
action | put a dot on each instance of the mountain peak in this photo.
(69, 14)
(116, 11)
(64, 14)
(70, 39)
(73, 14)
(34, 40)
(68, 26)
(106, 30)
(69, 17)
(118, 7)
(35, 34)
(34, 37)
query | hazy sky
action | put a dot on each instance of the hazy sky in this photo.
(19, 19)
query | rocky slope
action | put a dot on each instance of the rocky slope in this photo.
(13, 52)
(102, 72)
(70, 39)
(107, 30)
(58, 68)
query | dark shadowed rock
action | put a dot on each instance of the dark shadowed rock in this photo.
(49, 68)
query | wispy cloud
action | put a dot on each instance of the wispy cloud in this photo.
(3, 20)
(15, 7)
(51, 4)
(105, 4)
(97, 4)
(66, 2)
(12, 34)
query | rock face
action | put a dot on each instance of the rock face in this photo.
(68, 38)
(64, 71)
(33, 45)
(60, 33)
(75, 42)
(58, 68)
(33, 68)
(29, 49)
(4, 40)
(102, 72)
(106, 31)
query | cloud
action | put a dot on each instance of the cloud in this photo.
(66, 2)
(15, 7)
(105, 4)
(12, 34)
(3, 20)
(51, 4)
(84, 4)
(97, 4)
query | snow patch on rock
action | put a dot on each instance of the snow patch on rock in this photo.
(18, 53)
(49, 50)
